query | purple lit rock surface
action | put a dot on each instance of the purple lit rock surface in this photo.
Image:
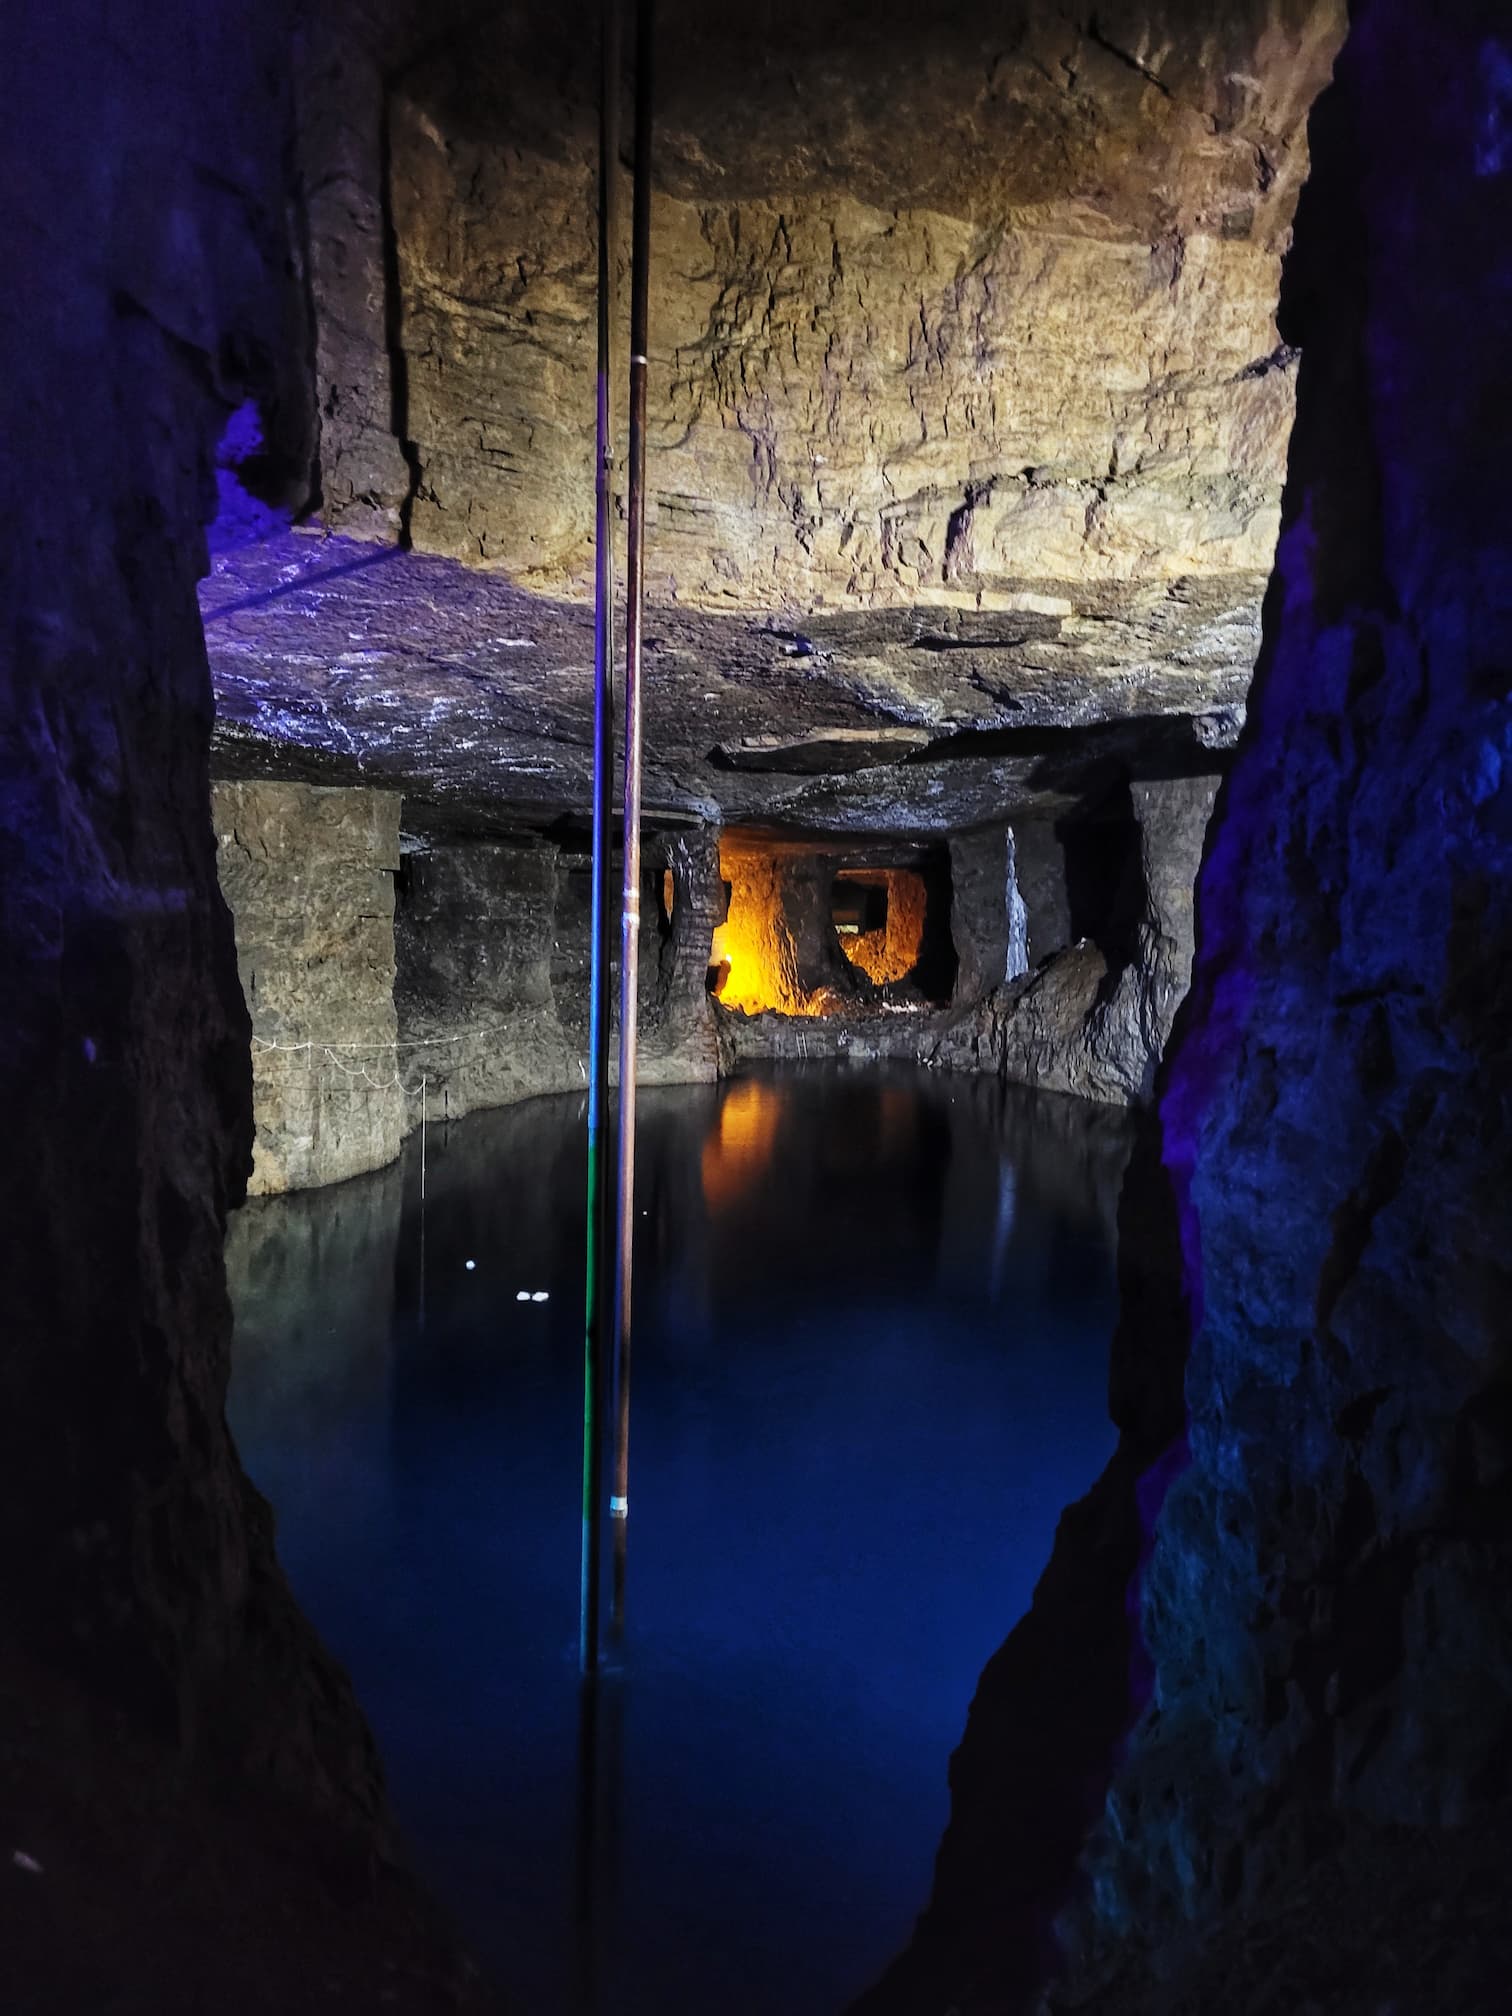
(1314, 1262)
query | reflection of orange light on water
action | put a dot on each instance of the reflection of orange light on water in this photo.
(739, 1148)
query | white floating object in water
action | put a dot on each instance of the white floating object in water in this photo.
(24, 1861)
(523, 1296)
(541, 1295)
(470, 1265)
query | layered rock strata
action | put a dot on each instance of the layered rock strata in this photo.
(968, 407)
(470, 989)
(309, 876)
(1012, 339)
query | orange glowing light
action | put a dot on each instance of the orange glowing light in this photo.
(753, 946)
(892, 951)
(738, 1150)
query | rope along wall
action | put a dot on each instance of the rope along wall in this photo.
(359, 1071)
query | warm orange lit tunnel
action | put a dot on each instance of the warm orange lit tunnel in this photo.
(879, 918)
(806, 935)
(754, 957)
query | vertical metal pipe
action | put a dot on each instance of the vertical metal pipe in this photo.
(619, 1498)
(422, 1200)
(599, 1296)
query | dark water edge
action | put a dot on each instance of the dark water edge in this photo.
(873, 1317)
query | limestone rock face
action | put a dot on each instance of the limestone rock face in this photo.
(1095, 1017)
(494, 950)
(982, 884)
(340, 55)
(968, 407)
(960, 331)
(309, 876)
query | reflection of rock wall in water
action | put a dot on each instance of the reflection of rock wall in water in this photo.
(312, 1280)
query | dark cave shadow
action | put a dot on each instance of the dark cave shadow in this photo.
(1057, 1703)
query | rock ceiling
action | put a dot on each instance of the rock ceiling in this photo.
(968, 415)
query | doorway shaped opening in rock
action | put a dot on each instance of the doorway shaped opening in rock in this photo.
(820, 927)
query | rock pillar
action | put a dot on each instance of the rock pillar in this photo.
(1040, 872)
(309, 876)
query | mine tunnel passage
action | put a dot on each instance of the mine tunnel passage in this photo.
(816, 928)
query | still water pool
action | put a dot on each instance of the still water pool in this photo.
(873, 1314)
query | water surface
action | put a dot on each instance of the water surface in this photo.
(873, 1313)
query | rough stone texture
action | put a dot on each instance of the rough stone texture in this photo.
(889, 952)
(1327, 1605)
(778, 946)
(338, 662)
(150, 288)
(474, 990)
(1055, 361)
(968, 408)
(494, 947)
(1039, 866)
(1094, 1019)
(982, 882)
(1129, 1027)
(341, 98)
(1313, 1243)
(309, 876)
(678, 1041)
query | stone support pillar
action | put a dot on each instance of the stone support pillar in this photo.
(309, 877)
(1040, 873)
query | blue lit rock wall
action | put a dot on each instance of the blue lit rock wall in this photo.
(1285, 1609)
(151, 287)
(1329, 1603)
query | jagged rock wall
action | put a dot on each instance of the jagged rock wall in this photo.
(341, 51)
(309, 876)
(1039, 872)
(1308, 1519)
(474, 991)
(965, 380)
(151, 288)
(982, 886)
(1327, 1606)
(1094, 1019)
(679, 1039)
